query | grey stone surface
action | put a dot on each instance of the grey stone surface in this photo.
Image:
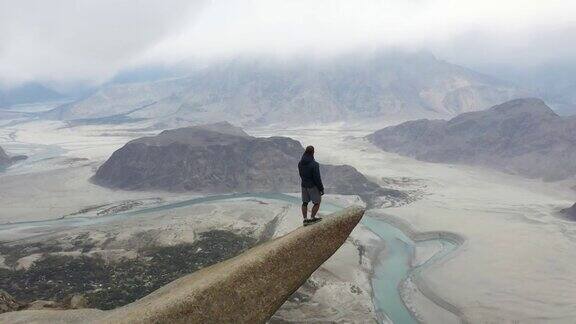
(51, 316)
(522, 136)
(248, 288)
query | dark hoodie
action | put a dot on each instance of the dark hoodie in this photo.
(309, 171)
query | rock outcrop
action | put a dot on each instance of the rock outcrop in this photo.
(248, 288)
(522, 136)
(221, 158)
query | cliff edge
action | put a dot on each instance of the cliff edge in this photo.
(248, 288)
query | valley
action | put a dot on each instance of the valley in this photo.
(492, 212)
(389, 162)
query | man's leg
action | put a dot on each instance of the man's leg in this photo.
(316, 198)
(315, 209)
(305, 201)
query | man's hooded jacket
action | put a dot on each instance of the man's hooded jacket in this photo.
(310, 172)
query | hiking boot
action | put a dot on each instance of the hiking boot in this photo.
(306, 221)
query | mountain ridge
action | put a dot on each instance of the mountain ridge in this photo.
(256, 93)
(521, 136)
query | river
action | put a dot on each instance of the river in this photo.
(390, 271)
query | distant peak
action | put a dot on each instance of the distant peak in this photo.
(223, 127)
(208, 134)
(525, 105)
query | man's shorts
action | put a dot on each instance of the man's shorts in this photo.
(311, 194)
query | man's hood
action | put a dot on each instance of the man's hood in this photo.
(307, 159)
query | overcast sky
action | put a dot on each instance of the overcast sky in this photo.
(70, 41)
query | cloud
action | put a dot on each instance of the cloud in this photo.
(92, 39)
(81, 40)
(325, 27)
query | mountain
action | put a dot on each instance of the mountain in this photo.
(522, 136)
(554, 82)
(6, 160)
(263, 92)
(221, 158)
(27, 93)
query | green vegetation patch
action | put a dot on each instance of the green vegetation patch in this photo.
(108, 285)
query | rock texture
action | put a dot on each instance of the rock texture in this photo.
(221, 158)
(395, 85)
(522, 136)
(248, 288)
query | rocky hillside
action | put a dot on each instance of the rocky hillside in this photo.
(522, 136)
(221, 158)
(260, 92)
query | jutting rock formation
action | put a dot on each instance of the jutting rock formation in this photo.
(248, 288)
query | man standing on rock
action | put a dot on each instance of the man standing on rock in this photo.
(312, 188)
